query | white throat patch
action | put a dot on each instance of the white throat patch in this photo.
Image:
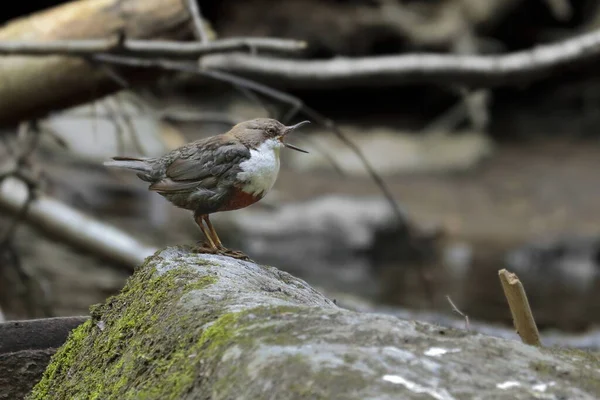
(260, 171)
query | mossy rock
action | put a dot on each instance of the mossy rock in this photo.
(194, 326)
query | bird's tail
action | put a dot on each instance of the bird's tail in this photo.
(136, 164)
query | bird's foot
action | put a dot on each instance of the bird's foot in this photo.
(234, 254)
(206, 248)
(203, 247)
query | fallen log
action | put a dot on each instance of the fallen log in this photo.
(25, 350)
(30, 87)
(195, 326)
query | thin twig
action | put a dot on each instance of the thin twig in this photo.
(157, 63)
(456, 310)
(52, 134)
(329, 124)
(519, 308)
(128, 122)
(476, 104)
(117, 116)
(116, 76)
(199, 28)
(120, 129)
(253, 97)
(514, 68)
(326, 154)
(169, 114)
(180, 115)
(149, 48)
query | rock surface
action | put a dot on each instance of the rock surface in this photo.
(195, 326)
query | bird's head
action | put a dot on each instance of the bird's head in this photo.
(266, 131)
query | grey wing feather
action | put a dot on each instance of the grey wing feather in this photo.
(202, 169)
(214, 163)
(186, 169)
(168, 186)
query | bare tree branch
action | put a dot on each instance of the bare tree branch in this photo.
(469, 70)
(58, 47)
(149, 48)
(181, 115)
(199, 28)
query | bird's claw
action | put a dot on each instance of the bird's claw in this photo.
(234, 254)
(206, 248)
(203, 247)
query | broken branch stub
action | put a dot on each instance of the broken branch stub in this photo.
(519, 308)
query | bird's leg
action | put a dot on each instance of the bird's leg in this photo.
(222, 249)
(205, 231)
(213, 232)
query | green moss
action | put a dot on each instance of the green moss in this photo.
(104, 357)
(219, 332)
(200, 283)
(152, 342)
(66, 354)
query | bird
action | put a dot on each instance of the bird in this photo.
(224, 172)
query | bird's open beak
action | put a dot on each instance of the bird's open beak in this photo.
(291, 146)
(290, 129)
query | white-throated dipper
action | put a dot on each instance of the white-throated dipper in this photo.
(220, 173)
